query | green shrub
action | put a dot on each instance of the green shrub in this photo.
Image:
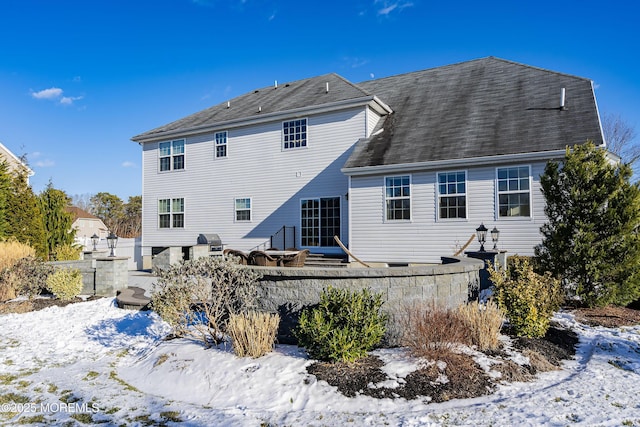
(196, 297)
(65, 283)
(343, 326)
(67, 252)
(528, 298)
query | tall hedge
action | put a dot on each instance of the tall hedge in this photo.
(591, 238)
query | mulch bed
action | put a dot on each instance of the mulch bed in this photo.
(465, 379)
(35, 304)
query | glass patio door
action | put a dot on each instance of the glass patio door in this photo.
(320, 221)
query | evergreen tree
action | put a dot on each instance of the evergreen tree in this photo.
(591, 238)
(5, 186)
(24, 217)
(57, 221)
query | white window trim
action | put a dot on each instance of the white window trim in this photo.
(466, 195)
(384, 200)
(282, 147)
(171, 213)
(216, 145)
(235, 210)
(171, 155)
(497, 193)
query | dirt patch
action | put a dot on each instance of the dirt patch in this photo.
(35, 304)
(609, 317)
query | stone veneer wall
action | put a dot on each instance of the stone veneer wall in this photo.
(288, 290)
(103, 276)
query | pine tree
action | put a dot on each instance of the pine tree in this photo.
(57, 221)
(5, 185)
(591, 238)
(24, 217)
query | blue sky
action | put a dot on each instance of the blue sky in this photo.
(79, 78)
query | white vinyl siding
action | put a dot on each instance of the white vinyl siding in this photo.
(275, 180)
(425, 238)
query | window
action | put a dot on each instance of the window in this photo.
(171, 213)
(243, 209)
(294, 134)
(452, 195)
(397, 197)
(221, 144)
(320, 221)
(513, 192)
(172, 155)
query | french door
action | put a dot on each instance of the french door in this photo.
(320, 221)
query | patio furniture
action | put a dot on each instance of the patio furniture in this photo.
(243, 258)
(263, 259)
(296, 260)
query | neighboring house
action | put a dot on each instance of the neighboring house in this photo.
(86, 225)
(403, 169)
(14, 162)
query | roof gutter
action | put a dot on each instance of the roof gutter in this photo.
(450, 163)
(373, 101)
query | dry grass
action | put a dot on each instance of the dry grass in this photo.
(483, 323)
(429, 330)
(11, 251)
(253, 334)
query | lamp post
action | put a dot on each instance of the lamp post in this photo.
(481, 232)
(495, 233)
(112, 241)
(94, 240)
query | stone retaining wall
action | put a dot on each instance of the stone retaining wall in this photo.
(287, 290)
(100, 276)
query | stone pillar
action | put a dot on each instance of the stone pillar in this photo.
(112, 275)
(87, 255)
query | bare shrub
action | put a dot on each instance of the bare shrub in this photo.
(27, 276)
(196, 297)
(483, 323)
(429, 330)
(253, 334)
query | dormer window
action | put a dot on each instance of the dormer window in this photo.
(294, 134)
(171, 155)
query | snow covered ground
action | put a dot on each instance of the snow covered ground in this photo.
(92, 363)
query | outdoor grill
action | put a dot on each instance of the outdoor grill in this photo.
(212, 240)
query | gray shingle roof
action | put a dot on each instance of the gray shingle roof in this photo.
(289, 96)
(478, 108)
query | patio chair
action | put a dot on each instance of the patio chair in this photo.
(296, 260)
(243, 259)
(263, 259)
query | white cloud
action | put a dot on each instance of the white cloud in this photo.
(51, 93)
(68, 100)
(128, 164)
(55, 94)
(390, 7)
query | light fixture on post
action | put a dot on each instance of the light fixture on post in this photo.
(495, 233)
(94, 240)
(112, 241)
(481, 232)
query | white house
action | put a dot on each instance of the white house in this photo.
(14, 163)
(402, 169)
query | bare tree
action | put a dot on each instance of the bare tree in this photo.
(620, 138)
